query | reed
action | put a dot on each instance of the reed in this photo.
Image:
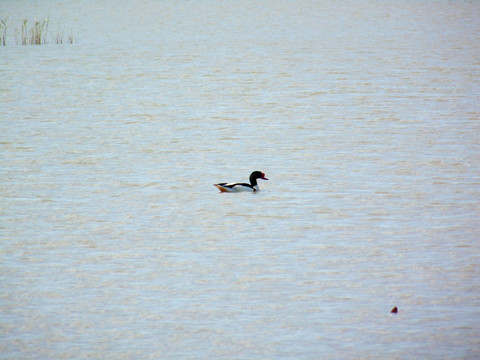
(24, 32)
(58, 39)
(3, 31)
(39, 33)
(34, 33)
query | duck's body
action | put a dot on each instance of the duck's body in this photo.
(238, 187)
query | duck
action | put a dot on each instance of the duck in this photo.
(237, 187)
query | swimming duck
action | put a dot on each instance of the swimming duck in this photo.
(237, 187)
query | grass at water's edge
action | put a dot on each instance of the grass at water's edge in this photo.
(33, 33)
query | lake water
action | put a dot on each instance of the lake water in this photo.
(365, 117)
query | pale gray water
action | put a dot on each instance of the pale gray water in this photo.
(363, 114)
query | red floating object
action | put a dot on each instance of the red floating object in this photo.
(394, 310)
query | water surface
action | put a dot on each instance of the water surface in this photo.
(363, 115)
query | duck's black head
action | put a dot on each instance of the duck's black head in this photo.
(256, 175)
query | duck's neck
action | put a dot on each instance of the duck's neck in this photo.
(253, 182)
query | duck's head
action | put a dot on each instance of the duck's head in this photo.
(257, 175)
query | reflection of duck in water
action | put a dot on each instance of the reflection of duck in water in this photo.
(237, 187)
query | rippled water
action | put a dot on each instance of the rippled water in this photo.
(365, 117)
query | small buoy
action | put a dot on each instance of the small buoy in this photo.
(394, 310)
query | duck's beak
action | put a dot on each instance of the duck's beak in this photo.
(263, 177)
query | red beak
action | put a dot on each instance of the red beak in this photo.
(263, 177)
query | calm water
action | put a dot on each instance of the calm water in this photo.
(363, 114)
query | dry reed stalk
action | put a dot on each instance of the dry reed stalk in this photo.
(3, 31)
